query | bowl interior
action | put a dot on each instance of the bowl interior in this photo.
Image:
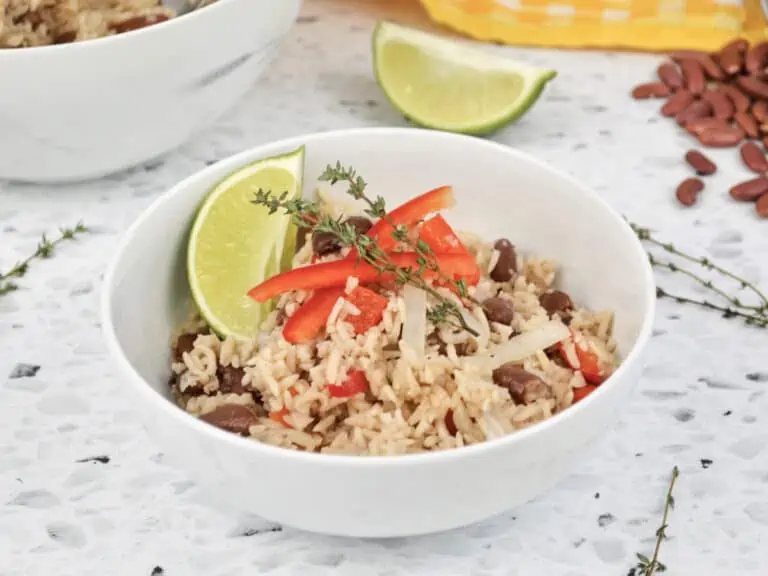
(500, 193)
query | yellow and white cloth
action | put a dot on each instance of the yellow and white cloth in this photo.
(652, 25)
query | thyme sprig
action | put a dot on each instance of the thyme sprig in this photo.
(45, 249)
(308, 214)
(377, 209)
(752, 314)
(648, 566)
(727, 312)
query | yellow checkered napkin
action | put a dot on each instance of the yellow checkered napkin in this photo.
(653, 25)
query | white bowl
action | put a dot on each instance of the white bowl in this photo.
(500, 192)
(83, 110)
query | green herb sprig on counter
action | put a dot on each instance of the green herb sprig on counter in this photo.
(307, 214)
(751, 314)
(45, 249)
(648, 566)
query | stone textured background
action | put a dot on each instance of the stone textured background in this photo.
(84, 491)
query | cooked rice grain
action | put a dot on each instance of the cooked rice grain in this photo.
(405, 407)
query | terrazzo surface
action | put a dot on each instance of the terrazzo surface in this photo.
(83, 489)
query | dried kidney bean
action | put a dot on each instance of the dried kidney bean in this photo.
(759, 112)
(740, 100)
(754, 158)
(750, 190)
(747, 124)
(721, 137)
(670, 76)
(707, 63)
(676, 103)
(753, 86)
(693, 74)
(731, 56)
(757, 58)
(699, 125)
(700, 163)
(722, 107)
(650, 90)
(761, 206)
(696, 109)
(688, 191)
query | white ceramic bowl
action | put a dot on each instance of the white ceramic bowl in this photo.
(500, 192)
(87, 109)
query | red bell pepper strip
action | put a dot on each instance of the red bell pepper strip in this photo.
(335, 274)
(441, 238)
(579, 357)
(371, 306)
(581, 393)
(309, 320)
(355, 383)
(408, 214)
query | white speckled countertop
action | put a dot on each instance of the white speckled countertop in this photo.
(84, 491)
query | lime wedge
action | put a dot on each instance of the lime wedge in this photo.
(235, 244)
(441, 84)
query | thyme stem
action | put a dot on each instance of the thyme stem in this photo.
(648, 566)
(754, 315)
(751, 319)
(44, 250)
(706, 283)
(645, 235)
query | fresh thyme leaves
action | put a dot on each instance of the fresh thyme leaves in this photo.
(377, 209)
(44, 250)
(752, 314)
(307, 214)
(648, 566)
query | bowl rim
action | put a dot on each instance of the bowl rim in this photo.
(170, 410)
(113, 40)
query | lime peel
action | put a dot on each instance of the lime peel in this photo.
(234, 244)
(442, 84)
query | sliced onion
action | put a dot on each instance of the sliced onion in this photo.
(491, 426)
(415, 321)
(523, 345)
(481, 328)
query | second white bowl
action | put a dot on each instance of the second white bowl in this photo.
(87, 109)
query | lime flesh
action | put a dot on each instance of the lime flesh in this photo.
(235, 244)
(441, 84)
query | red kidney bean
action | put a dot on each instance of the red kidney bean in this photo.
(707, 63)
(688, 191)
(699, 162)
(754, 158)
(670, 76)
(696, 109)
(722, 107)
(731, 56)
(676, 103)
(757, 58)
(747, 124)
(693, 73)
(761, 206)
(750, 190)
(740, 100)
(753, 87)
(650, 90)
